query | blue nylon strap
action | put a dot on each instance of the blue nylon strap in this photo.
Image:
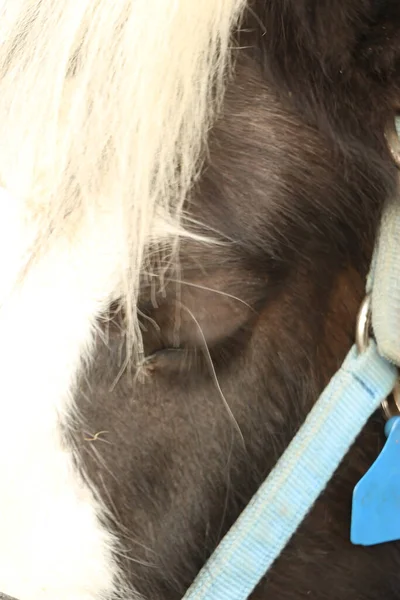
(278, 508)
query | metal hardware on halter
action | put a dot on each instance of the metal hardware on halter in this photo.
(391, 405)
(363, 324)
(393, 139)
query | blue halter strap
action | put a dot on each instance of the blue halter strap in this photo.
(278, 508)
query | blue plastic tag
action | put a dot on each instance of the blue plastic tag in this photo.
(376, 498)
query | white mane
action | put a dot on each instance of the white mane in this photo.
(105, 106)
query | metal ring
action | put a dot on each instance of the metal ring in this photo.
(391, 404)
(392, 137)
(363, 324)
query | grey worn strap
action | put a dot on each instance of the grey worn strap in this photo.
(385, 273)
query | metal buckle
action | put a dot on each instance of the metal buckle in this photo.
(391, 405)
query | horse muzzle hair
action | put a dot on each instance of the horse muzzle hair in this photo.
(191, 194)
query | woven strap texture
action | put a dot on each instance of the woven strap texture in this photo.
(278, 508)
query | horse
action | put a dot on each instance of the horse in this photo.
(190, 196)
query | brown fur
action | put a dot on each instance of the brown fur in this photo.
(295, 182)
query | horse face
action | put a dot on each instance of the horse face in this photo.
(240, 341)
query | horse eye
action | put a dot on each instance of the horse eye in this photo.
(168, 359)
(164, 352)
(393, 138)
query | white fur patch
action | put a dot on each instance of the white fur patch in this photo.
(52, 546)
